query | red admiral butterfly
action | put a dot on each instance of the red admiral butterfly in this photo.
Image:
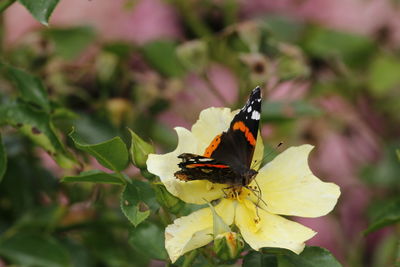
(227, 160)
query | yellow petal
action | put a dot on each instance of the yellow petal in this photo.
(258, 153)
(270, 230)
(195, 230)
(289, 187)
(211, 122)
(166, 165)
(188, 233)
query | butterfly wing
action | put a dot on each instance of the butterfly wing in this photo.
(196, 167)
(236, 146)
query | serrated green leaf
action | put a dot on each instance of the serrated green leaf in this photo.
(94, 176)
(3, 160)
(162, 56)
(34, 250)
(30, 87)
(36, 125)
(388, 214)
(112, 153)
(71, 42)
(133, 205)
(148, 239)
(40, 9)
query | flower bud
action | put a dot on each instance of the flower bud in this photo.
(139, 150)
(228, 246)
(166, 199)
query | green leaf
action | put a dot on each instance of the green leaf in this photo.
(384, 173)
(36, 125)
(276, 110)
(40, 9)
(112, 153)
(383, 74)
(148, 239)
(310, 257)
(29, 86)
(257, 259)
(3, 160)
(283, 28)
(71, 42)
(353, 49)
(95, 176)
(133, 205)
(162, 56)
(34, 250)
(388, 214)
(398, 154)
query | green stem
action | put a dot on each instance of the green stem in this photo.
(5, 4)
(189, 258)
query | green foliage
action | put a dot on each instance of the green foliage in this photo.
(30, 87)
(3, 160)
(162, 56)
(95, 176)
(310, 257)
(388, 213)
(383, 74)
(133, 205)
(112, 153)
(71, 42)
(148, 239)
(34, 250)
(354, 50)
(36, 125)
(40, 9)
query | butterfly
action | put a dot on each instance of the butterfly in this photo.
(227, 159)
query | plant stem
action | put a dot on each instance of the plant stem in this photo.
(189, 258)
(5, 4)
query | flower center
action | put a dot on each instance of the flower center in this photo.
(242, 192)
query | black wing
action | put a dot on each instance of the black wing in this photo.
(236, 146)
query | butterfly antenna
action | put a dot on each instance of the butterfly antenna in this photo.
(258, 163)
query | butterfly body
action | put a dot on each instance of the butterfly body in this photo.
(227, 160)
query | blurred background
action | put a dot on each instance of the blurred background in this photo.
(330, 73)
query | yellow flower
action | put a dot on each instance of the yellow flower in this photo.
(287, 187)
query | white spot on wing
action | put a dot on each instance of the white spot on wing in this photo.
(255, 115)
(249, 109)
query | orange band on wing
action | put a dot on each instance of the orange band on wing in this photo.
(239, 125)
(214, 144)
(194, 165)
